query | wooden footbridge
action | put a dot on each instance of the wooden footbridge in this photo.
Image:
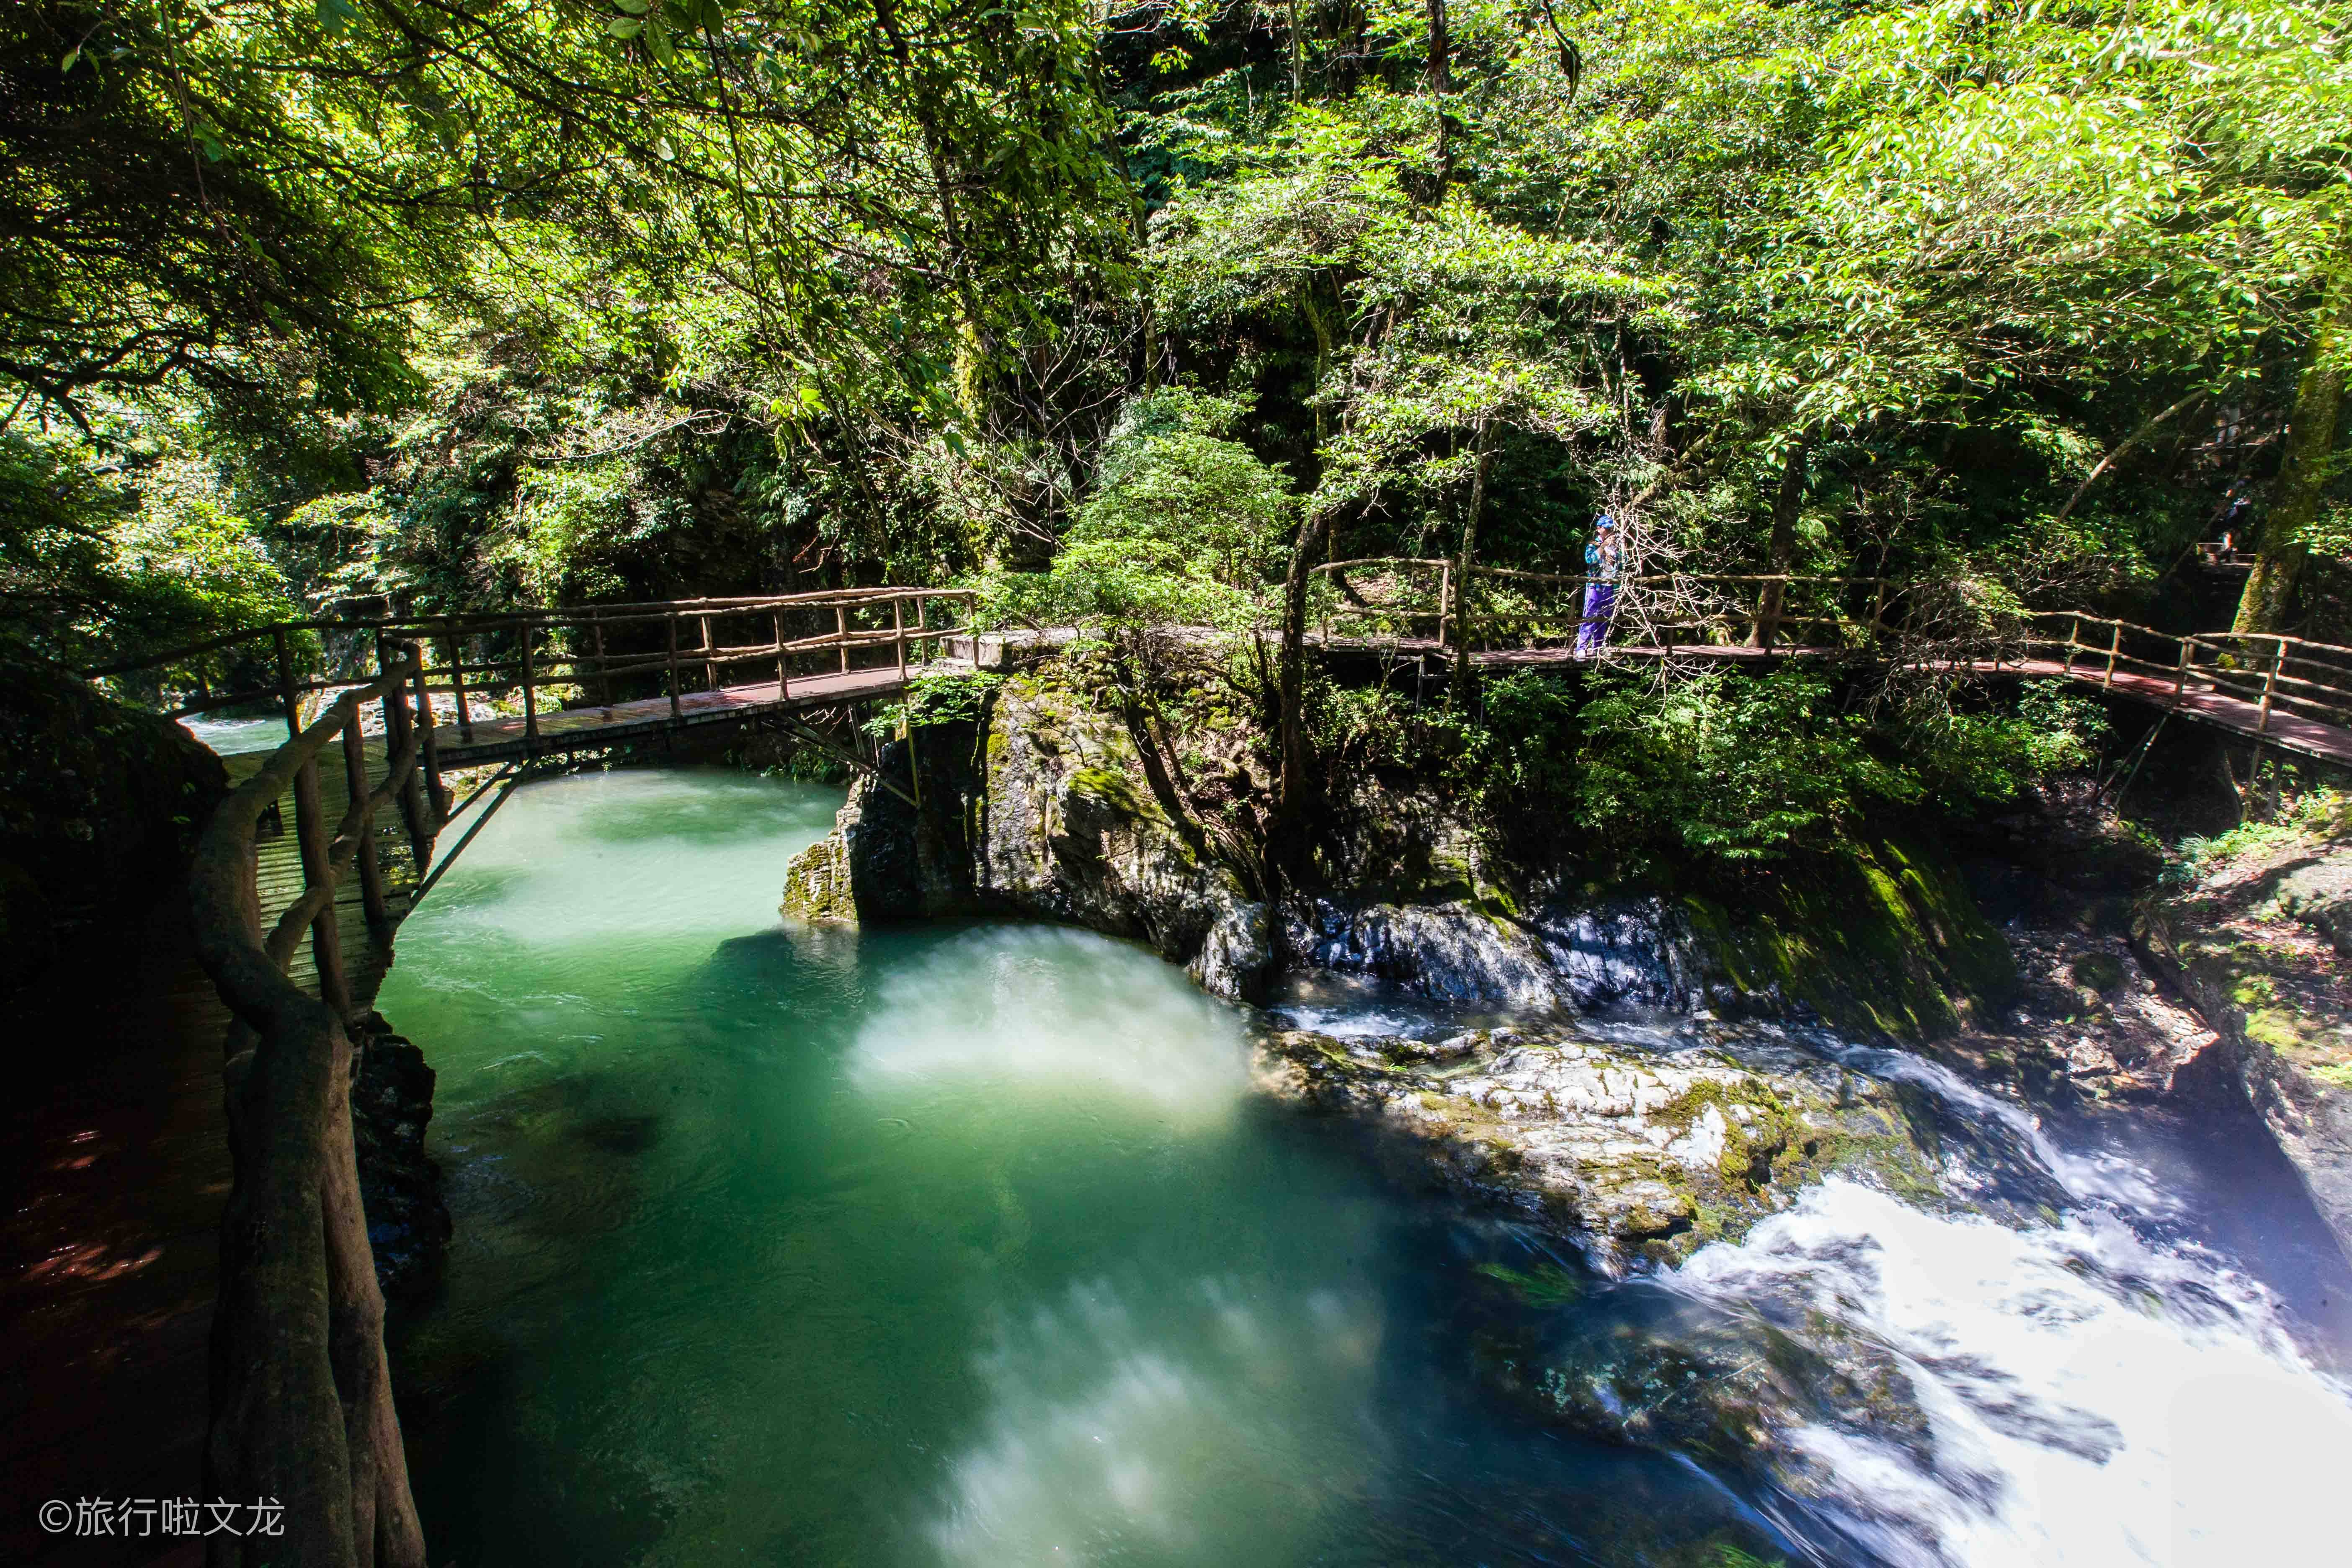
(2279, 691)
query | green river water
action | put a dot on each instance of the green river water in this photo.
(952, 1245)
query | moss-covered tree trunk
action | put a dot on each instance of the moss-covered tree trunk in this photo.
(2304, 469)
(1291, 676)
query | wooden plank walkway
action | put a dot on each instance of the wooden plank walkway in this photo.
(570, 729)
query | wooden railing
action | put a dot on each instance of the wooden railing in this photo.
(2276, 673)
(302, 1398)
(602, 653)
(1479, 608)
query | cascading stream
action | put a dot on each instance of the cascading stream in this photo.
(969, 1243)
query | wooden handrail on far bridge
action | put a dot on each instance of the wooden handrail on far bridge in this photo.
(301, 1395)
(2268, 669)
(513, 652)
(1461, 624)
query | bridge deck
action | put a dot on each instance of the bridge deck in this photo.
(567, 729)
(2289, 732)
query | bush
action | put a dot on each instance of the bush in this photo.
(1183, 528)
(1964, 759)
(1727, 767)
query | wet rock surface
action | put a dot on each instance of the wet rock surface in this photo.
(1619, 952)
(1638, 1153)
(1038, 810)
(399, 1185)
(2253, 943)
(1741, 1388)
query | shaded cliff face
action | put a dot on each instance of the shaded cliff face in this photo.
(1038, 809)
(97, 802)
(2258, 944)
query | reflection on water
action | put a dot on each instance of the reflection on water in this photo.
(234, 737)
(965, 1245)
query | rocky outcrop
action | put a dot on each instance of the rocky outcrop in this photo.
(1882, 938)
(1045, 807)
(1638, 1155)
(1038, 808)
(1620, 952)
(399, 1185)
(2256, 945)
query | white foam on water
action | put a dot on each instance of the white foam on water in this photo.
(1347, 1023)
(1057, 1008)
(2094, 1400)
(1154, 1424)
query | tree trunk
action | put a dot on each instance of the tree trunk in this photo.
(1783, 549)
(2303, 471)
(971, 345)
(1323, 349)
(1291, 676)
(1484, 443)
(1441, 82)
(1297, 57)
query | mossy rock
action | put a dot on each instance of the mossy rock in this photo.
(2101, 971)
(1881, 936)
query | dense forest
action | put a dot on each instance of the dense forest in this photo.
(1114, 312)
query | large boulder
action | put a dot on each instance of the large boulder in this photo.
(1039, 808)
(1639, 1154)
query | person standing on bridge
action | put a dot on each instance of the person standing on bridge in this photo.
(1603, 567)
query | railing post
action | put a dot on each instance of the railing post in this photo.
(841, 630)
(310, 836)
(355, 779)
(898, 635)
(710, 665)
(436, 798)
(2270, 682)
(2074, 636)
(2180, 677)
(456, 645)
(925, 647)
(674, 714)
(1444, 604)
(286, 692)
(784, 676)
(395, 740)
(604, 675)
(530, 696)
(2115, 651)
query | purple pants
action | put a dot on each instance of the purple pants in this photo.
(1600, 605)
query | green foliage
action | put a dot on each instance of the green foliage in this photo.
(1966, 759)
(92, 572)
(1183, 528)
(1727, 768)
(934, 697)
